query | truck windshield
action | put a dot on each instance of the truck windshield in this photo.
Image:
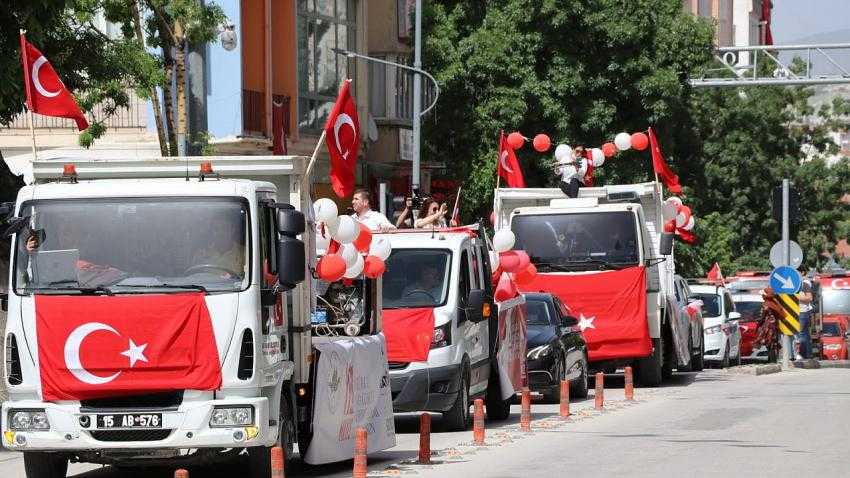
(133, 245)
(836, 301)
(567, 240)
(416, 278)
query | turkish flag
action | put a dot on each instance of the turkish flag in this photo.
(102, 346)
(46, 95)
(660, 166)
(508, 166)
(714, 274)
(409, 333)
(610, 306)
(342, 136)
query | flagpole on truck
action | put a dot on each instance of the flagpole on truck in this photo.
(28, 92)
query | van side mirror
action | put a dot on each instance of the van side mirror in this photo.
(568, 321)
(734, 316)
(665, 245)
(4, 302)
(478, 308)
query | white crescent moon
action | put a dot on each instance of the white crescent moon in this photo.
(839, 284)
(504, 164)
(72, 353)
(37, 82)
(343, 119)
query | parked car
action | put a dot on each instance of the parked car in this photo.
(556, 349)
(691, 322)
(749, 305)
(722, 333)
(834, 339)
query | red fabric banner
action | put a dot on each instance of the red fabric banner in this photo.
(408, 333)
(610, 306)
(101, 346)
(46, 95)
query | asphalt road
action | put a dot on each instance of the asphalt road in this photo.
(711, 424)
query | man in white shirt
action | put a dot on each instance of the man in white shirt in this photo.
(363, 212)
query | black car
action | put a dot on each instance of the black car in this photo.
(556, 349)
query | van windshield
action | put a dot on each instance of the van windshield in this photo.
(571, 240)
(416, 278)
(133, 245)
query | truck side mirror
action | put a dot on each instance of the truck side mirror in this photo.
(478, 307)
(665, 245)
(291, 259)
(289, 221)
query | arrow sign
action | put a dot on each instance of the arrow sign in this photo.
(785, 280)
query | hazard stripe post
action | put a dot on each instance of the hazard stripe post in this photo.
(789, 322)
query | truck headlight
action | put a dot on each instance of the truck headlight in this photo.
(28, 420)
(832, 347)
(539, 352)
(231, 416)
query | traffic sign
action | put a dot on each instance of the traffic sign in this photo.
(785, 280)
(796, 255)
(789, 322)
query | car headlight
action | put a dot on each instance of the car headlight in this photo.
(712, 330)
(442, 336)
(28, 420)
(539, 352)
(232, 416)
(832, 347)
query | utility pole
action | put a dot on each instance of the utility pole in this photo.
(417, 97)
(786, 259)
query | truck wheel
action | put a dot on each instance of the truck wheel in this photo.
(578, 389)
(45, 465)
(497, 409)
(457, 418)
(259, 457)
(697, 361)
(669, 359)
(649, 368)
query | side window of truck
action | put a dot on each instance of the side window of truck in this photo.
(463, 277)
(267, 252)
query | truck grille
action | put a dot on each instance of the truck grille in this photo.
(246, 356)
(130, 435)
(13, 361)
(163, 400)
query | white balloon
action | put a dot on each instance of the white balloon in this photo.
(322, 242)
(669, 210)
(380, 247)
(354, 270)
(690, 225)
(623, 141)
(562, 151)
(349, 254)
(347, 230)
(504, 240)
(494, 260)
(598, 157)
(325, 209)
(675, 199)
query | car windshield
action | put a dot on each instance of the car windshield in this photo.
(836, 301)
(132, 245)
(831, 329)
(575, 240)
(750, 310)
(538, 313)
(416, 278)
(710, 304)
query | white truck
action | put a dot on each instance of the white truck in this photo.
(448, 342)
(159, 313)
(605, 255)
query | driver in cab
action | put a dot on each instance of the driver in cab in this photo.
(224, 254)
(429, 283)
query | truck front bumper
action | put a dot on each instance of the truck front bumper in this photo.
(186, 427)
(432, 389)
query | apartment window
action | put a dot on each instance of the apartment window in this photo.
(406, 9)
(322, 26)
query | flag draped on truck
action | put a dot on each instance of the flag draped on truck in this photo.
(409, 333)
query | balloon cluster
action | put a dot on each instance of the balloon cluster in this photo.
(622, 142)
(678, 219)
(511, 266)
(348, 245)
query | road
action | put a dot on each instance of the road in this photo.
(709, 424)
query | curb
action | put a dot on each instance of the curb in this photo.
(756, 369)
(806, 364)
(835, 364)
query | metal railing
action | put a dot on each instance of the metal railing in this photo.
(132, 117)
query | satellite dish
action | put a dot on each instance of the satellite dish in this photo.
(372, 129)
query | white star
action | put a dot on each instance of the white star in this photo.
(135, 353)
(586, 322)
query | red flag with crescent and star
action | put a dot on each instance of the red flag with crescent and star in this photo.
(46, 95)
(508, 166)
(101, 346)
(667, 176)
(342, 136)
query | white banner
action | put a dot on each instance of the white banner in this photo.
(513, 330)
(352, 390)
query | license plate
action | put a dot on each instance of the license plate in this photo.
(130, 420)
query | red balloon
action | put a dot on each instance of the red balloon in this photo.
(373, 267)
(541, 143)
(364, 239)
(527, 275)
(513, 261)
(505, 290)
(331, 268)
(516, 140)
(640, 141)
(670, 226)
(609, 149)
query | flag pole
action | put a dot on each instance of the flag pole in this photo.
(28, 92)
(313, 158)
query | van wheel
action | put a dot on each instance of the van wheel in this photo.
(457, 418)
(497, 409)
(259, 457)
(45, 465)
(649, 369)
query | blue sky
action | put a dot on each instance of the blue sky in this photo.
(795, 20)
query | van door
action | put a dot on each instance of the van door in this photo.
(474, 334)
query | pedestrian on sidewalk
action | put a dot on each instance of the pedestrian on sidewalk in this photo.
(804, 338)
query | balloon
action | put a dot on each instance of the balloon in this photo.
(331, 268)
(670, 226)
(323, 241)
(347, 230)
(675, 199)
(325, 209)
(541, 143)
(669, 209)
(683, 217)
(505, 290)
(374, 267)
(504, 240)
(494, 260)
(526, 275)
(380, 248)
(690, 224)
(364, 238)
(349, 254)
(516, 140)
(513, 261)
(640, 141)
(623, 141)
(562, 151)
(609, 149)
(354, 270)
(598, 156)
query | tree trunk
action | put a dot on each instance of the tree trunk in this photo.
(157, 109)
(168, 100)
(180, 64)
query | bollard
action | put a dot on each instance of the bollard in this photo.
(425, 439)
(630, 385)
(181, 473)
(360, 447)
(565, 400)
(600, 391)
(478, 422)
(525, 415)
(278, 461)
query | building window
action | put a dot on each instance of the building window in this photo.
(322, 26)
